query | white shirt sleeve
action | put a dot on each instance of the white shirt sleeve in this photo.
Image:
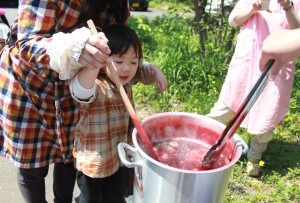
(4, 29)
(81, 94)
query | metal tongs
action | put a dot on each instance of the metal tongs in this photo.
(215, 151)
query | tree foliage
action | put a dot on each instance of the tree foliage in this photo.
(206, 21)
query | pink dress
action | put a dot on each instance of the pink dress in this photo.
(273, 103)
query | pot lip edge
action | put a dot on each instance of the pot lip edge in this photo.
(237, 155)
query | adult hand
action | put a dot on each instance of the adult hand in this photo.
(95, 52)
(150, 74)
(283, 46)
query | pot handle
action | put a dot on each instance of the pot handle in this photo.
(242, 143)
(122, 154)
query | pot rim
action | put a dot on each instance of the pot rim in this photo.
(238, 148)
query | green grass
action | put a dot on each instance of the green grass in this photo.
(171, 5)
(195, 79)
(279, 180)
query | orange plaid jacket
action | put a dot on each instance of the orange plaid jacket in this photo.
(38, 115)
(104, 123)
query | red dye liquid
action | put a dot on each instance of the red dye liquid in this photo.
(184, 153)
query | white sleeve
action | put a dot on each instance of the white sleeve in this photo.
(81, 94)
(65, 50)
(4, 29)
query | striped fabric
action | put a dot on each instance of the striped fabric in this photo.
(104, 123)
(37, 113)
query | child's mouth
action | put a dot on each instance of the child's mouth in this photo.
(123, 77)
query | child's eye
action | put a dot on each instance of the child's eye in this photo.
(133, 63)
(118, 62)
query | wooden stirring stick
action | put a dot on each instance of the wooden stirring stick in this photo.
(141, 132)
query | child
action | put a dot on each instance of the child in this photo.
(104, 119)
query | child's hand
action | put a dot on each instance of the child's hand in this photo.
(95, 52)
(150, 74)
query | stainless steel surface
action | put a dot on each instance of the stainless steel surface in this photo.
(155, 182)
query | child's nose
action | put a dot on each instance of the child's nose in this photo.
(126, 67)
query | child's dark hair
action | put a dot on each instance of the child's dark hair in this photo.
(120, 38)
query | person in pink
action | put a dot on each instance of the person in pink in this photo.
(257, 21)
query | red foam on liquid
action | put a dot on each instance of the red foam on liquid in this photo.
(184, 154)
(182, 142)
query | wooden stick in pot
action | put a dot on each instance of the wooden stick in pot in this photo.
(141, 132)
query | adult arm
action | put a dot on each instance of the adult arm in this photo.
(243, 11)
(283, 46)
(42, 44)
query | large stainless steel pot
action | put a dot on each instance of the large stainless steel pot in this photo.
(155, 182)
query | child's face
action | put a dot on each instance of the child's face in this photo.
(125, 66)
